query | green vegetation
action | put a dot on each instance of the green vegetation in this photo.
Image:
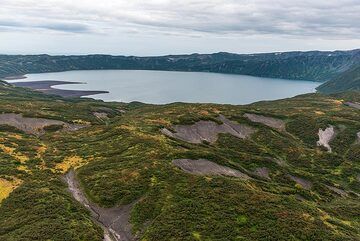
(127, 160)
(312, 65)
(347, 81)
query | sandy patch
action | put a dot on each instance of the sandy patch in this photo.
(325, 136)
(34, 125)
(302, 182)
(205, 167)
(268, 121)
(6, 187)
(208, 131)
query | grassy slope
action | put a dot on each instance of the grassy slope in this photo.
(347, 81)
(129, 160)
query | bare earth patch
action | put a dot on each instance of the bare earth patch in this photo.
(115, 221)
(208, 131)
(101, 115)
(205, 167)
(302, 182)
(353, 104)
(325, 136)
(268, 121)
(34, 126)
(338, 191)
(262, 172)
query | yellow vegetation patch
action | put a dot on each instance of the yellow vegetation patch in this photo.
(308, 217)
(319, 113)
(6, 187)
(127, 127)
(338, 102)
(81, 122)
(11, 151)
(23, 168)
(217, 111)
(325, 217)
(15, 136)
(40, 151)
(160, 121)
(6, 149)
(204, 112)
(70, 162)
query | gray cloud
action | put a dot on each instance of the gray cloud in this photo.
(56, 26)
(298, 19)
(66, 27)
(321, 18)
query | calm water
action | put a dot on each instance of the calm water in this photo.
(160, 87)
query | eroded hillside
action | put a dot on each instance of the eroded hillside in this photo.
(276, 181)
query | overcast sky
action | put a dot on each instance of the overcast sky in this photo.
(157, 27)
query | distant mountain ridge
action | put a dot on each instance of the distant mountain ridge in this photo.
(313, 65)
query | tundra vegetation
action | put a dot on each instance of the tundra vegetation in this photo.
(295, 190)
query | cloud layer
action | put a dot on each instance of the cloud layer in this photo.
(326, 19)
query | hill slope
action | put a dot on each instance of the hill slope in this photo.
(275, 182)
(313, 65)
(347, 81)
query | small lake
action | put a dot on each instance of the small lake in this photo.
(160, 87)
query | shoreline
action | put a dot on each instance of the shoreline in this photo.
(46, 87)
(15, 77)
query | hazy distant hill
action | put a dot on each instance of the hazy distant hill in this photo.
(313, 65)
(349, 80)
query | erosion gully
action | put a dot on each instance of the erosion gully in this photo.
(114, 221)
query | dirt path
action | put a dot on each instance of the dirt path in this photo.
(114, 221)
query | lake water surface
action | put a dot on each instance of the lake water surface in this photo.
(159, 87)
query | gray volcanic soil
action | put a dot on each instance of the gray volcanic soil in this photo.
(205, 167)
(262, 172)
(268, 121)
(34, 126)
(46, 87)
(353, 104)
(337, 191)
(325, 136)
(302, 182)
(115, 221)
(208, 131)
